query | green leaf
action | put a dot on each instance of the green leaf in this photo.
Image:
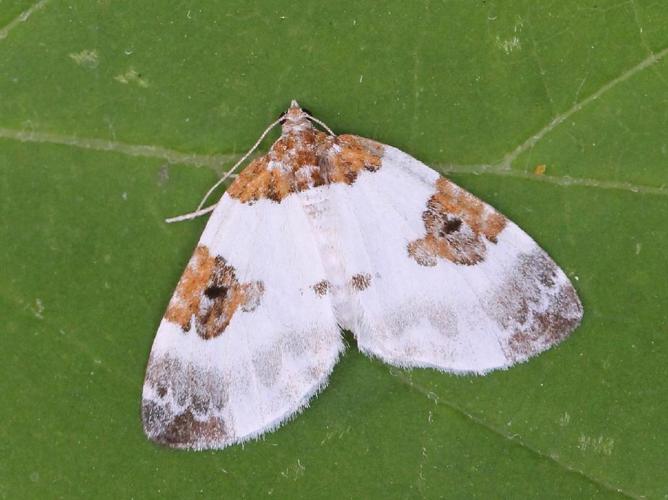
(107, 109)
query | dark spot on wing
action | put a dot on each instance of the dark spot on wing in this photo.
(360, 281)
(449, 226)
(210, 293)
(321, 288)
(214, 291)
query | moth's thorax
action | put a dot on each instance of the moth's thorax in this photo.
(297, 149)
(296, 123)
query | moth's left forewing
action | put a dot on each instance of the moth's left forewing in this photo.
(455, 284)
(244, 343)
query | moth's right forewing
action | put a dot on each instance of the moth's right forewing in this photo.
(454, 285)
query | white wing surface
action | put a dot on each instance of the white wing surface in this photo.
(434, 277)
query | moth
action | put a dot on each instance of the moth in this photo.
(328, 232)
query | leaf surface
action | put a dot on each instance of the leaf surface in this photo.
(114, 115)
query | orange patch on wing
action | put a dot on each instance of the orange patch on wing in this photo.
(302, 160)
(188, 292)
(457, 225)
(210, 293)
(352, 155)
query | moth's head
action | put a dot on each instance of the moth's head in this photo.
(295, 119)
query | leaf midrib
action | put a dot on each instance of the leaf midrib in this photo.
(515, 438)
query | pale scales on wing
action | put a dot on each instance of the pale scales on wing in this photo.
(327, 232)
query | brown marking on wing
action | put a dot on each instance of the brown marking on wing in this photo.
(303, 159)
(321, 288)
(257, 181)
(457, 225)
(350, 156)
(540, 309)
(360, 281)
(185, 430)
(210, 292)
(186, 413)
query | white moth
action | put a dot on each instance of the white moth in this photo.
(328, 232)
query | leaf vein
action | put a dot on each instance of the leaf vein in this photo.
(138, 150)
(552, 179)
(21, 18)
(215, 162)
(514, 438)
(529, 143)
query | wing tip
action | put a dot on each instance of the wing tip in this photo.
(187, 430)
(183, 430)
(548, 328)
